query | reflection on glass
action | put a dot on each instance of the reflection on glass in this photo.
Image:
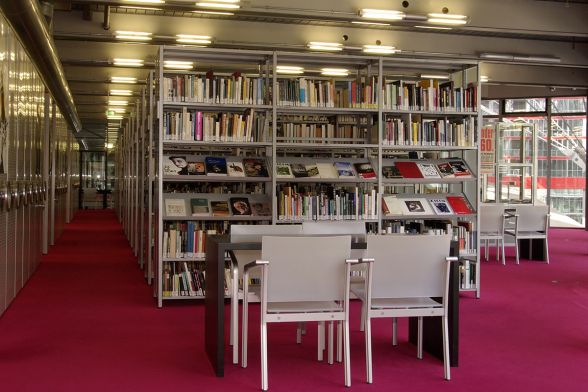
(525, 105)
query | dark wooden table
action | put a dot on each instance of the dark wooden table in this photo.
(214, 326)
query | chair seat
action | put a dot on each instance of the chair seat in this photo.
(303, 307)
(490, 235)
(404, 303)
(528, 234)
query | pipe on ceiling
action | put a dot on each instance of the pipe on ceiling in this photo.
(28, 23)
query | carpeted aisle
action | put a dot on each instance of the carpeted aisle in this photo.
(87, 321)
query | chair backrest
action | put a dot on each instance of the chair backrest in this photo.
(408, 265)
(334, 228)
(254, 233)
(306, 268)
(532, 217)
(491, 218)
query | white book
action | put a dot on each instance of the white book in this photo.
(416, 206)
(327, 170)
(393, 205)
(175, 207)
(235, 169)
(428, 170)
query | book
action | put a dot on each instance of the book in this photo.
(261, 209)
(326, 170)
(283, 171)
(175, 207)
(175, 165)
(235, 169)
(312, 170)
(459, 205)
(219, 208)
(344, 169)
(199, 207)
(299, 170)
(445, 170)
(255, 167)
(416, 206)
(460, 169)
(392, 205)
(391, 172)
(365, 170)
(441, 206)
(428, 170)
(216, 166)
(196, 168)
(409, 169)
(240, 206)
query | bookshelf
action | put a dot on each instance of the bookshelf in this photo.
(380, 113)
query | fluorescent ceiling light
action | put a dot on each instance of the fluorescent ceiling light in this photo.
(114, 117)
(433, 27)
(328, 46)
(178, 64)
(224, 4)
(214, 12)
(141, 8)
(381, 49)
(496, 56)
(133, 35)
(128, 62)
(370, 23)
(484, 79)
(334, 72)
(123, 79)
(117, 103)
(117, 110)
(449, 19)
(288, 69)
(121, 92)
(145, 1)
(433, 76)
(537, 59)
(193, 39)
(370, 13)
(109, 145)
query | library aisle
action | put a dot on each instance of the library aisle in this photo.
(86, 321)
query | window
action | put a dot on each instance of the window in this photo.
(491, 107)
(525, 105)
(568, 105)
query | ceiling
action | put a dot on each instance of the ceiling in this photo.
(84, 35)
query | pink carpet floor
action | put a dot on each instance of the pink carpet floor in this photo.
(87, 321)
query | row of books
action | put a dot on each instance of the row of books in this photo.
(326, 204)
(223, 127)
(185, 239)
(234, 89)
(415, 206)
(440, 132)
(429, 95)
(249, 188)
(325, 170)
(308, 133)
(455, 168)
(304, 92)
(467, 274)
(235, 206)
(214, 166)
(183, 279)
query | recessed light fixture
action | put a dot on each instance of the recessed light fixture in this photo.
(370, 23)
(223, 4)
(326, 46)
(433, 27)
(109, 145)
(114, 117)
(380, 49)
(117, 103)
(133, 35)
(123, 79)
(433, 76)
(334, 72)
(193, 39)
(214, 12)
(117, 110)
(178, 64)
(448, 19)
(128, 62)
(370, 13)
(289, 69)
(121, 92)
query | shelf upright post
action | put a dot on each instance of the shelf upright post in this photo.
(141, 193)
(478, 168)
(380, 140)
(274, 135)
(149, 151)
(160, 182)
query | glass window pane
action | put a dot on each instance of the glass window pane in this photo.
(490, 107)
(568, 105)
(524, 105)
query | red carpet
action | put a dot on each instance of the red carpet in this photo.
(86, 321)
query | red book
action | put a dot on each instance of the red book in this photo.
(459, 205)
(409, 169)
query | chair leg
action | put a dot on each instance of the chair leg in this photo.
(346, 354)
(303, 328)
(394, 331)
(339, 341)
(235, 317)
(503, 257)
(517, 249)
(368, 350)
(420, 339)
(263, 356)
(496, 247)
(321, 340)
(486, 249)
(446, 348)
(330, 348)
(299, 333)
(530, 249)
(546, 251)
(362, 322)
(244, 324)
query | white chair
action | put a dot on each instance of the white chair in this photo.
(404, 273)
(532, 222)
(492, 228)
(302, 279)
(248, 233)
